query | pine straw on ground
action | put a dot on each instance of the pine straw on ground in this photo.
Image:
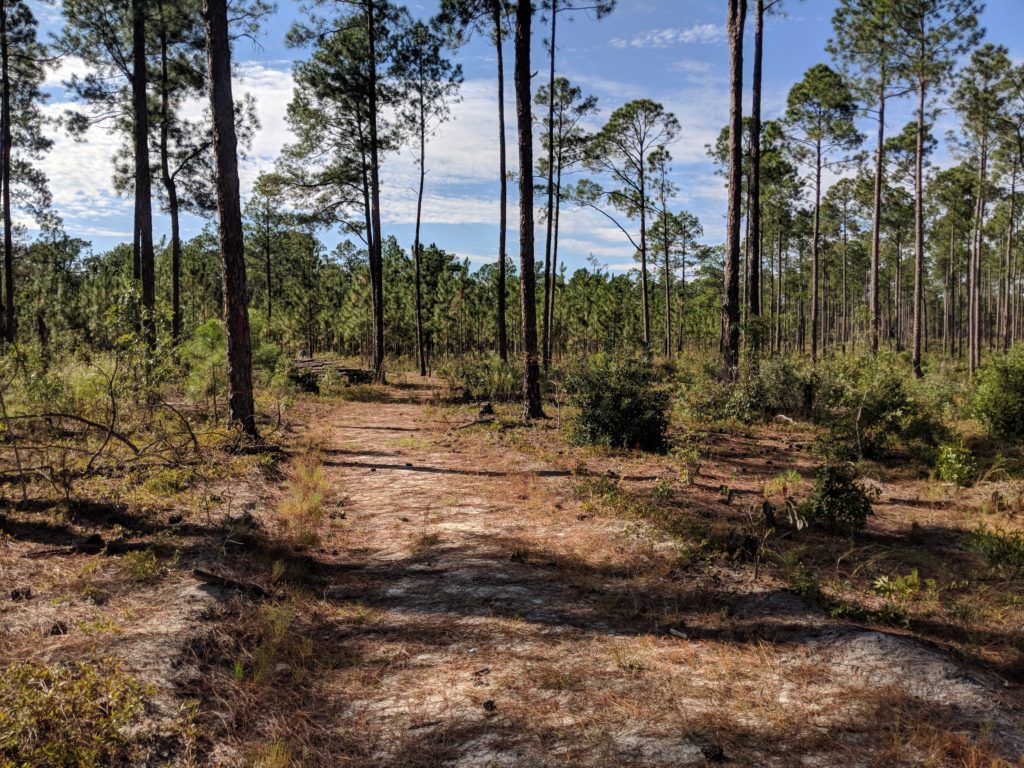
(484, 594)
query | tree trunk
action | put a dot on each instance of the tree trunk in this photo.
(170, 186)
(229, 208)
(874, 311)
(143, 183)
(815, 240)
(754, 209)
(416, 243)
(644, 290)
(730, 335)
(532, 408)
(9, 314)
(503, 171)
(919, 233)
(974, 270)
(1008, 268)
(554, 257)
(682, 302)
(376, 252)
(548, 273)
(668, 282)
(267, 264)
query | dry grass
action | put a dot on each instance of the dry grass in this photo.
(495, 596)
(301, 506)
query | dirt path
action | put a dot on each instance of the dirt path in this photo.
(492, 619)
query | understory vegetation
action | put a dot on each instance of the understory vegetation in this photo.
(307, 488)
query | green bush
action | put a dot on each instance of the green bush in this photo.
(768, 386)
(75, 714)
(868, 408)
(481, 378)
(956, 464)
(998, 401)
(1000, 549)
(205, 354)
(838, 501)
(619, 404)
(765, 387)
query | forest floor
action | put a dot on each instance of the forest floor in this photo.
(482, 593)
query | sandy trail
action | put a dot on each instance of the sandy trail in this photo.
(492, 623)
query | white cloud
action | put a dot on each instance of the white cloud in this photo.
(63, 69)
(669, 36)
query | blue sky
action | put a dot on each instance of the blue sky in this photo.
(672, 51)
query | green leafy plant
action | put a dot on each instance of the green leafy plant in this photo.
(480, 378)
(868, 408)
(998, 401)
(619, 404)
(1001, 549)
(838, 501)
(142, 566)
(955, 463)
(74, 714)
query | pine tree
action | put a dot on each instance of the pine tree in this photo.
(532, 408)
(22, 137)
(429, 83)
(819, 115)
(931, 36)
(730, 335)
(621, 150)
(232, 247)
(461, 18)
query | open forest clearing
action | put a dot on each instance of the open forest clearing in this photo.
(413, 404)
(411, 583)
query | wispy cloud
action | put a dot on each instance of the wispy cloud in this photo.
(669, 36)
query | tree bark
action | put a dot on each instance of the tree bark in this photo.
(754, 211)
(1008, 269)
(815, 258)
(554, 259)
(548, 275)
(503, 171)
(918, 232)
(9, 314)
(974, 270)
(874, 311)
(416, 244)
(170, 186)
(644, 290)
(532, 408)
(668, 279)
(229, 209)
(376, 252)
(267, 263)
(730, 329)
(143, 181)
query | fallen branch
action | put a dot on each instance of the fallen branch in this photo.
(226, 581)
(81, 420)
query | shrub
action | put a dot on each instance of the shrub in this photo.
(619, 406)
(481, 378)
(998, 401)
(768, 386)
(956, 464)
(68, 714)
(868, 409)
(205, 353)
(838, 501)
(1000, 549)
